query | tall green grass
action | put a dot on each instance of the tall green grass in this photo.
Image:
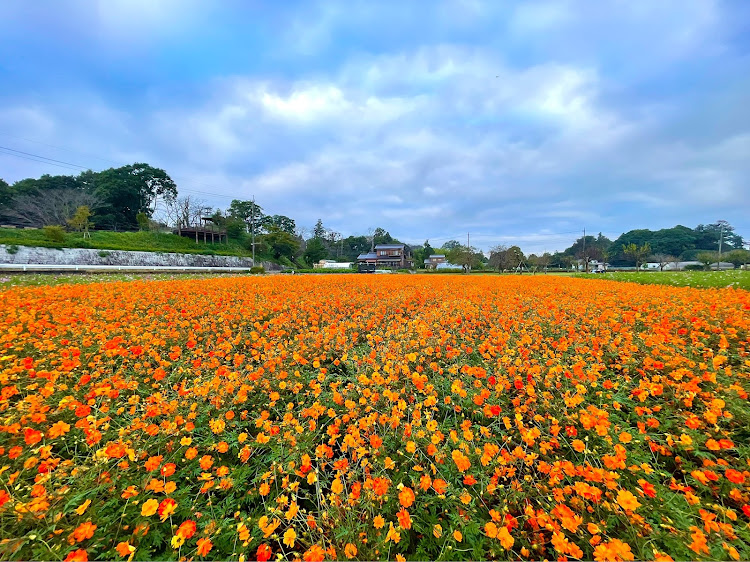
(702, 279)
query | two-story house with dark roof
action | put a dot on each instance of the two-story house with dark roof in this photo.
(388, 256)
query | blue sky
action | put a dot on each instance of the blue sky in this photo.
(520, 122)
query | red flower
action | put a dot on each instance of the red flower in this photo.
(263, 553)
(79, 555)
(187, 529)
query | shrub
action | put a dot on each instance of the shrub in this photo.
(144, 223)
(12, 249)
(694, 267)
(54, 233)
(257, 269)
(103, 254)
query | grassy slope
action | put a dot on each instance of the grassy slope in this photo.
(701, 279)
(134, 241)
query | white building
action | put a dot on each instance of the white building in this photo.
(330, 264)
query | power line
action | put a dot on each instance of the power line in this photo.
(181, 178)
(76, 167)
(35, 159)
(42, 157)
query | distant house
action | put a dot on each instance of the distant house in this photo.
(330, 264)
(434, 260)
(594, 265)
(388, 255)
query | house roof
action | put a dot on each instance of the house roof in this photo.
(437, 255)
(369, 256)
(389, 246)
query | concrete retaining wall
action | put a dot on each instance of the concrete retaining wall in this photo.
(85, 256)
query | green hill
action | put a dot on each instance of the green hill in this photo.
(142, 241)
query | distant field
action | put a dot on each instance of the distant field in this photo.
(128, 241)
(700, 279)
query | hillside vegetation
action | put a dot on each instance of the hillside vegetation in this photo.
(142, 241)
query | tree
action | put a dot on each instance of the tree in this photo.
(450, 245)
(282, 223)
(281, 243)
(319, 231)
(129, 190)
(504, 258)
(5, 195)
(637, 253)
(144, 223)
(711, 235)
(737, 257)
(381, 236)
(315, 251)
(235, 228)
(601, 242)
(707, 258)
(589, 253)
(50, 207)
(185, 212)
(352, 246)
(543, 261)
(663, 260)
(248, 212)
(80, 221)
(465, 256)
(539, 262)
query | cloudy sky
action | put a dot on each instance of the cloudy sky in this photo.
(520, 122)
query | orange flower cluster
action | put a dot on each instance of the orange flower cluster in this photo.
(374, 416)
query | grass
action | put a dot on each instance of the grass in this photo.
(129, 241)
(52, 279)
(700, 279)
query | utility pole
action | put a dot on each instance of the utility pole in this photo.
(585, 261)
(721, 239)
(468, 253)
(252, 227)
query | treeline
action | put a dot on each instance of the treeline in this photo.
(142, 197)
(680, 243)
(117, 198)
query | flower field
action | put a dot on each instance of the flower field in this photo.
(374, 417)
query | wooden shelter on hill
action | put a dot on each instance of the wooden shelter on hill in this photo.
(206, 231)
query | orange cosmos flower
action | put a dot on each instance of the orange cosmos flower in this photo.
(404, 519)
(734, 476)
(263, 554)
(204, 546)
(440, 486)
(124, 549)
(149, 508)
(380, 486)
(84, 531)
(461, 461)
(187, 529)
(406, 496)
(314, 554)
(627, 500)
(167, 508)
(153, 463)
(79, 555)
